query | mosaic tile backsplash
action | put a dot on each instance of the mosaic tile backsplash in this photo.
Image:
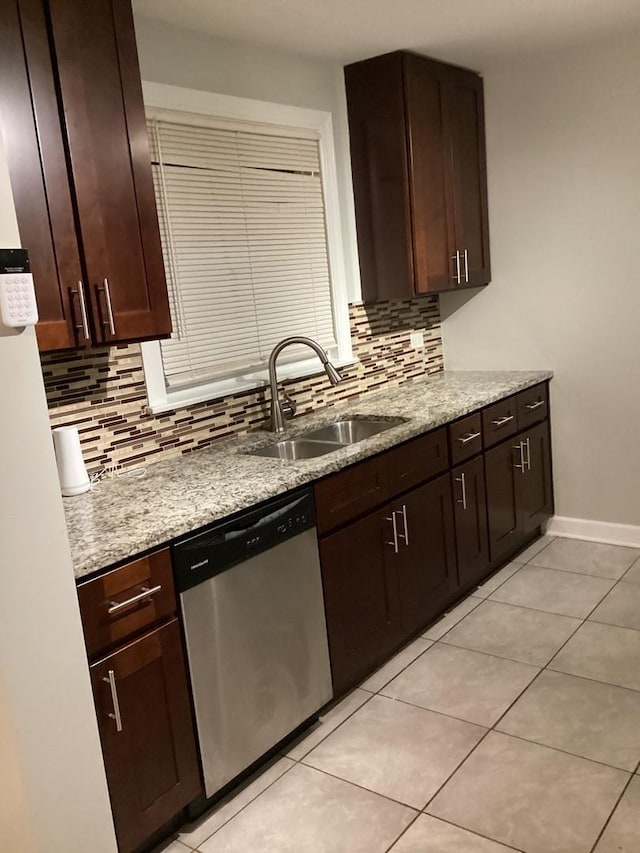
(103, 392)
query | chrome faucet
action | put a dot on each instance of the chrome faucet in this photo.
(287, 409)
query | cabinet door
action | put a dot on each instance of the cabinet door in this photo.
(97, 70)
(501, 477)
(146, 729)
(379, 164)
(470, 511)
(38, 170)
(426, 560)
(360, 593)
(430, 169)
(534, 485)
(465, 119)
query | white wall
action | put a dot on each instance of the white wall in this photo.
(563, 139)
(53, 796)
(185, 58)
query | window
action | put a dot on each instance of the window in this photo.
(251, 238)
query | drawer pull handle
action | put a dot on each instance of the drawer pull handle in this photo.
(533, 406)
(392, 519)
(404, 535)
(502, 421)
(111, 681)
(465, 439)
(462, 480)
(144, 593)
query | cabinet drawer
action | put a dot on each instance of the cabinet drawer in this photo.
(465, 438)
(416, 461)
(349, 493)
(115, 606)
(500, 421)
(533, 406)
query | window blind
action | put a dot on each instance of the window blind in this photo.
(242, 224)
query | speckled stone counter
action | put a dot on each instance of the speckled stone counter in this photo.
(128, 515)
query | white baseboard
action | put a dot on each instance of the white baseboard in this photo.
(594, 531)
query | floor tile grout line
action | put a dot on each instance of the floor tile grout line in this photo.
(610, 624)
(564, 751)
(404, 831)
(419, 655)
(611, 814)
(448, 613)
(362, 788)
(471, 831)
(576, 574)
(544, 547)
(204, 840)
(341, 723)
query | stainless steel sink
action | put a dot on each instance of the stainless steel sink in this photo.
(317, 442)
(297, 448)
(351, 431)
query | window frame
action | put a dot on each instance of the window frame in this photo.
(174, 102)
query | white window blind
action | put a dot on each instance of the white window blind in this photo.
(242, 223)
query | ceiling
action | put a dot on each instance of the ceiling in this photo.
(470, 31)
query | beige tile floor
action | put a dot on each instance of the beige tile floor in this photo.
(512, 724)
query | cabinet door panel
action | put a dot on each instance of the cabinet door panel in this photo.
(358, 576)
(470, 511)
(501, 474)
(38, 170)
(430, 171)
(426, 562)
(465, 106)
(151, 764)
(99, 83)
(534, 486)
(380, 177)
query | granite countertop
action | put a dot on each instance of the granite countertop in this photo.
(128, 515)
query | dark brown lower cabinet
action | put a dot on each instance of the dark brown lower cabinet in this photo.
(470, 513)
(144, 718)
(519, 489)
(426, 558)
(535, 490)
(385, 576)
(361, 598)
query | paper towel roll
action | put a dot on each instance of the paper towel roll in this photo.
(72, 471)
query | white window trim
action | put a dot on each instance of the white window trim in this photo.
(163, 101)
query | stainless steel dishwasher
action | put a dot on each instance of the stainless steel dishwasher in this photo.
(251, 596)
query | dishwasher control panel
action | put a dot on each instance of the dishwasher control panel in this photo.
(218, 548)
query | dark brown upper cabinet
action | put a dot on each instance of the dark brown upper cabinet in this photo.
(73, 122)
(419, 175)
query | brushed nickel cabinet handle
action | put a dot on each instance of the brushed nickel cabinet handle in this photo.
(107, 298)
(465, 439)
(392, 519)
(466, 266)
(111, 681)
(463, 482)
(456, 258)
(144, 593)
(84, 325)
(528, 459)
(404, 535)
(533, 406)
(523, 465)
(502, 421)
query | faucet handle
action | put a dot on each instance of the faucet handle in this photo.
(288, 406)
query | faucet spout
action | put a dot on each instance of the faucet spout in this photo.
(277, 413)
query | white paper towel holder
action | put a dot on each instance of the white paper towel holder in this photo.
(72, 471)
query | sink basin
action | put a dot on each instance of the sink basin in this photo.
(297, 448)
(317, 442)
(350, 431)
